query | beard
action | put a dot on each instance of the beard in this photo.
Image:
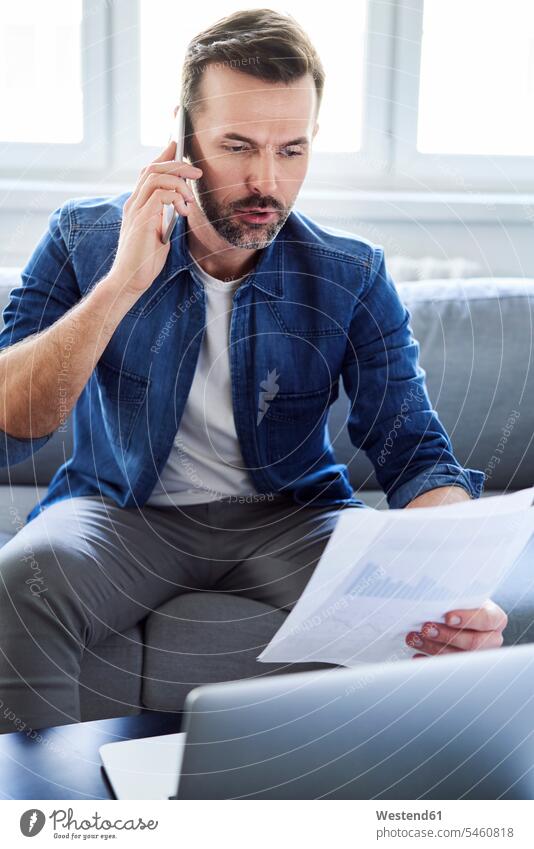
(238, 233)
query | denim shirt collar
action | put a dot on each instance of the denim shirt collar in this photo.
(267, 275)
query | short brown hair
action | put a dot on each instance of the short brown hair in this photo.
(260, 42)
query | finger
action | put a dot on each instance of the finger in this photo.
(182, 169)
(181, 207)
(168, 152)
(463, 638)
(175, 169)
(155, 205)
(415, 640)
(163, 183)
(489, 617)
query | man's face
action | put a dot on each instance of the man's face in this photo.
(252, 140)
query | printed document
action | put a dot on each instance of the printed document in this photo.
(384, 573)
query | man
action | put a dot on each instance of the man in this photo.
(200, 375)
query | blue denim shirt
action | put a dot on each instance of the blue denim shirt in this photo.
(319, 307)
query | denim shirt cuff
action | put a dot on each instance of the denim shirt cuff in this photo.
(442, 474)
(15, 449)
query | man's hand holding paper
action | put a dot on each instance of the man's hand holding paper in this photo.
(387, 575)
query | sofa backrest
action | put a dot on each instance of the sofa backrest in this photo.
(476, 346)
(476, 338)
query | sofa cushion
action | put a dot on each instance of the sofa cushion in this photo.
(476, 344)
(16, 501)
(4, 538)
(475, 339)
(200, 638)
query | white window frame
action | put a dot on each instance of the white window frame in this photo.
(60, 161)
(420, 171)
(327, 170)
(111, 155)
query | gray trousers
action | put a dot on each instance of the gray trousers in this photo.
(85, 568)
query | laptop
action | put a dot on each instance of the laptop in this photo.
(456, 726)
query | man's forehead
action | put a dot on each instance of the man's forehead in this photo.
(231, 98)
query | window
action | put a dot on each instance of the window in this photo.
(464, 82)
(341, 50)
(476, 92)
(53, 88)
(418, 95)
(40, 71)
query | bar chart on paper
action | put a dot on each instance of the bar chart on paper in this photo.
(368, 584)
(382, 576)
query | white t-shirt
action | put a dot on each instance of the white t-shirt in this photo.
(205, 462)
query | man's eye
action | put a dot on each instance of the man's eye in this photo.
(236, 149)
(291, 151)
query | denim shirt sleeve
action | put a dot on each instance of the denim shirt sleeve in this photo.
(391, 417)
(47, 289)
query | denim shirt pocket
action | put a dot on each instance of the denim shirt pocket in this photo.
(295, 424)
(122, 395)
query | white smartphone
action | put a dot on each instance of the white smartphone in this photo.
(169, 215)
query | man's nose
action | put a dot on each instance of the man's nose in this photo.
(263, 172)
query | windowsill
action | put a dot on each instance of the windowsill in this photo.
(410, 206)
(336, 204)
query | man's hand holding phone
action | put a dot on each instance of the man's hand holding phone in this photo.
(140, 253)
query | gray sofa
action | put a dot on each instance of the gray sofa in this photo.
(476, 338)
